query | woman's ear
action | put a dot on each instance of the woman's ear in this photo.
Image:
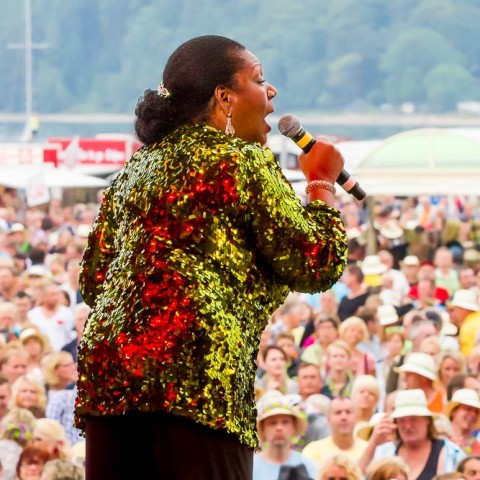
(222, 97)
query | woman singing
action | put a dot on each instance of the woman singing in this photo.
(198, 240)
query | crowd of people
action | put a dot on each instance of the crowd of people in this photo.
(42, 315)
(377, 378)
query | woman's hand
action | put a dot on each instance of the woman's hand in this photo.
(322, 162)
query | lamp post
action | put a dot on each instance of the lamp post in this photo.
(31, 121)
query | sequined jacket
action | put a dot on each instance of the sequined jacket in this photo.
(198, 240)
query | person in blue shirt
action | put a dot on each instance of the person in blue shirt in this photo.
(280, 420)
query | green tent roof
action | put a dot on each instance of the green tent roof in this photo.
(427, 148)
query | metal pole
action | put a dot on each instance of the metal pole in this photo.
(28, 60)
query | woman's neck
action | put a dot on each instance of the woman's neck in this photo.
(338, 376)
(364, 414)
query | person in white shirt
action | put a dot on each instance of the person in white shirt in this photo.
(53, 319)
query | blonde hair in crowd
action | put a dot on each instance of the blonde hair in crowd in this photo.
(341, 460)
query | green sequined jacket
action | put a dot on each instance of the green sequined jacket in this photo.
(198, 240)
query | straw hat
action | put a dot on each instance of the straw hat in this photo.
(372, 265)
(30, 333)
(280, 405)
(411, 403)
(419, 363)
(365, 431)
(465, 299)
(387, 315)
(463, 396)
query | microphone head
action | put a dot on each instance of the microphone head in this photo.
(289, 125)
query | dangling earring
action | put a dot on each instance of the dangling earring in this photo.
(229, 130)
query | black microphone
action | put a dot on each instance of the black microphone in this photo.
(290, 126)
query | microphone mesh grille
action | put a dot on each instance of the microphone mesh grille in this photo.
(289, 125)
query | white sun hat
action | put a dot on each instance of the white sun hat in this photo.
(411, 403)
(410, 260)
(463, 396)
(391, 230)
(467, 299)
(421, 364)
(372, 265)
(387, 315)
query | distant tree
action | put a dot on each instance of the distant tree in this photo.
(408, 59)
(446, 85)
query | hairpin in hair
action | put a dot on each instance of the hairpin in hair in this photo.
(163, 91)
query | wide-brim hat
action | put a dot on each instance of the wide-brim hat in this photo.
(463, 396)
(391, 230)
(280, 405)
(465, 298)
(411, 403)
(32, 333)
(372, 265)
(419, 363)
(387, 315)
(365, 431)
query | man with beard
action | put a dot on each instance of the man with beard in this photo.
(279, 422)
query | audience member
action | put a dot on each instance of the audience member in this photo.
(365, 396)
(463, 410)
(353, 278)
(470, 467)
(53, 320)
(387, 469)
(80, 315)
(36, 345)
(339, 377)
(13, 362)
(339, 466)
(424, 454)
(464, 314)
(286, 341)
(5, 394)
(275, 375)
(326, 331)
(28, 393)
(419, 372)
(354, 331)
(59, 372)
(278, 423)
(341, 419)
(31, 463)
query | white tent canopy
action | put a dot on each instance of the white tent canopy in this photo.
(21, 176)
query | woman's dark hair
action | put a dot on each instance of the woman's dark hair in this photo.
(274, 347)
(462, 465)
(191, 75)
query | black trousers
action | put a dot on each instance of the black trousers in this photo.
(159, 446)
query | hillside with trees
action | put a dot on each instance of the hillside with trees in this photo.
(338, 56)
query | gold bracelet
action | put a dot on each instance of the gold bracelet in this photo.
(314, 184)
